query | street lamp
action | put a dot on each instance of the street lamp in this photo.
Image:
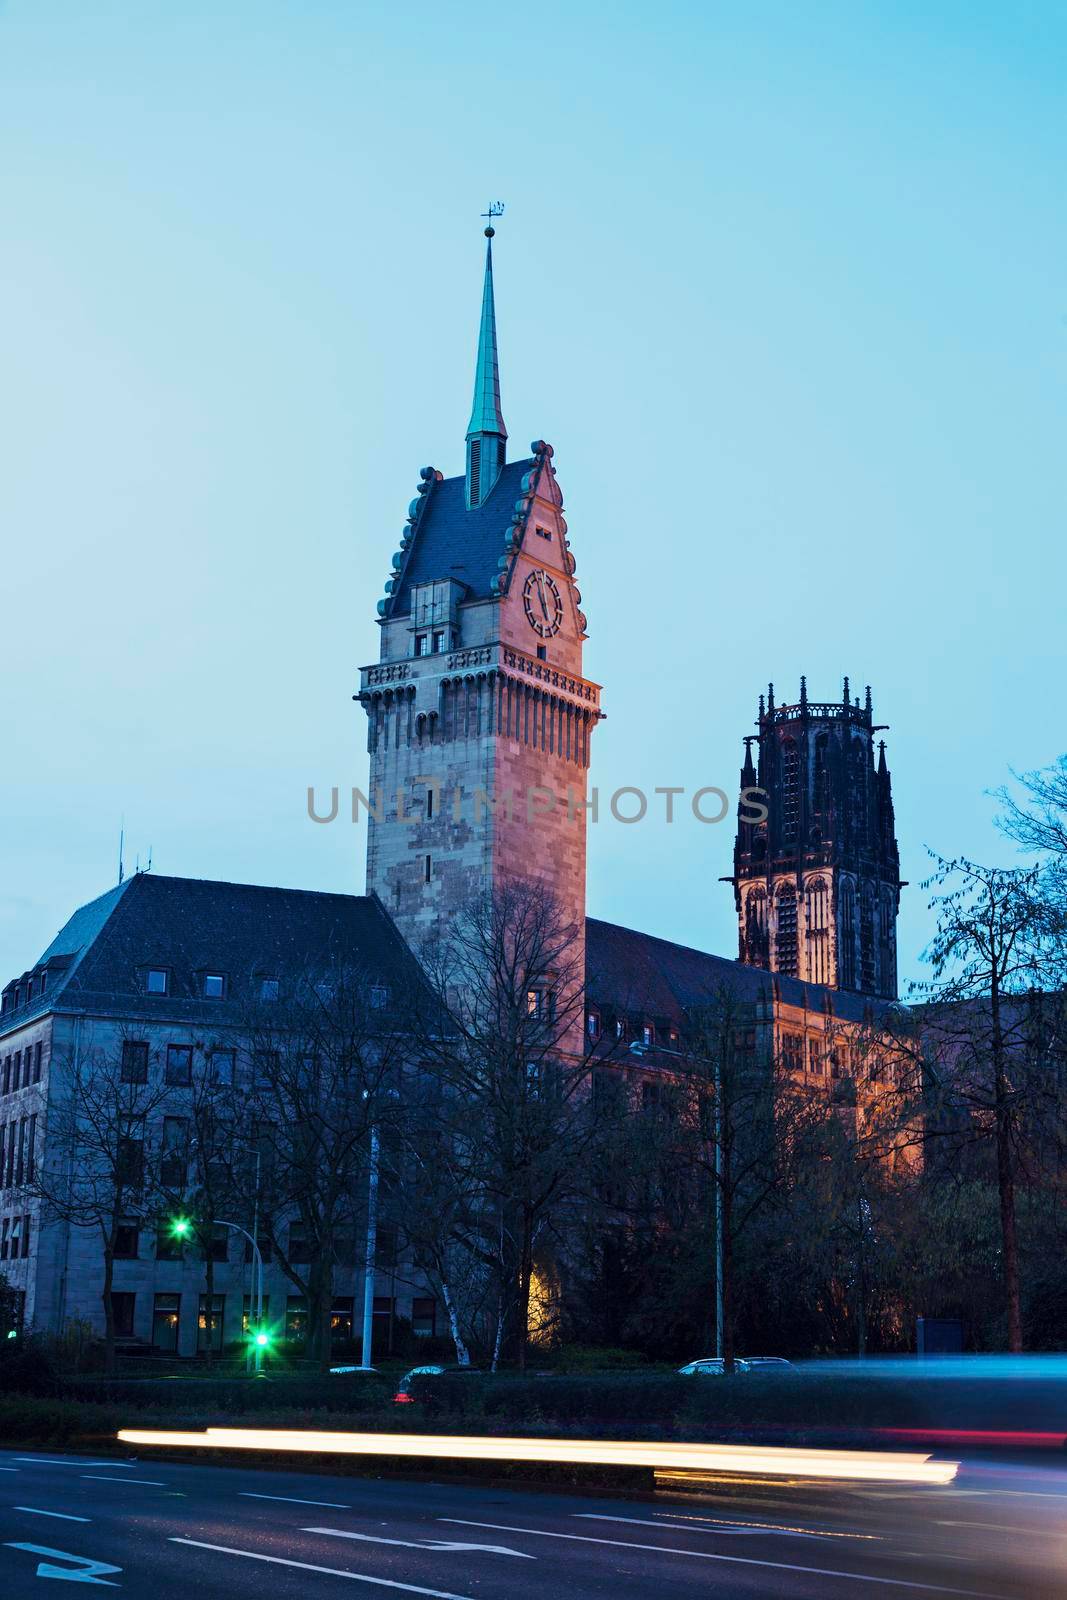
(371, 1250)
(181, 1227)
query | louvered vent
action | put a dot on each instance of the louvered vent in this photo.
(476, 471)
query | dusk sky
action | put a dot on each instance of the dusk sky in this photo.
(783, 286)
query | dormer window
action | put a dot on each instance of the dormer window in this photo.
(157, 980)
(268, 988)
(214, 986)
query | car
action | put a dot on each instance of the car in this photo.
(403, 1395)
(770, 1364)
(710, 1367)
(345, 1371)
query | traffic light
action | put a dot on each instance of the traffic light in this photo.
(262, 1339)
(180, 1227)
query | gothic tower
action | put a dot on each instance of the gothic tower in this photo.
(817, 884)
(479, 716)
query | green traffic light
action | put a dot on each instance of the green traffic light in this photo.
(180, 1227)
(263, 1339)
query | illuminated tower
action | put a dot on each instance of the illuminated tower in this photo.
(817, 885)
(479, 716)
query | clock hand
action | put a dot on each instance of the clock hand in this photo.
(541, 592)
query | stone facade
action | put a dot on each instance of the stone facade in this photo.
(817, 881)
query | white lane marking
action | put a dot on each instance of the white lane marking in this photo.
(46, 1461)
(421, 1544)
(735, 1561)
(9, 1469)
(333, 1505)
(720, 1527)
(333, 1572)
(64, 1516)
(88, 1570)
(95, 1477)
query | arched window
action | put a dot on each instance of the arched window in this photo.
(846, 936)
(755, 928)
(816, 930)
(790, 789)
(820, 791)
(785, 941)
(867, 938)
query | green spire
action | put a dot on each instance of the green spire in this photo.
(486, 433)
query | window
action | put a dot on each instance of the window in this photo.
(173, 1158)
(592, 1025)
(378, 996)
(793, 1052)
(296, 1316)
(535, 1003)
(264, 1249)
(268, 988)
(342, 1313)
(420, 644)
(265, 1065)
(214, 986)
(427, 869)
(130, 1162)
(25, 1237)
(543, 533)
(249, 1312)
(542, 652)
(5, 1241)
(7, 1075)
(438, 643)
(648, 1035)
(122, 1314)
(156, 980)
(37, 1056)
(126, 1236)
(786, 932)
(815, 1055)
(790, 789)
(20, 1165)
(299, 1244)
(209, 1322)
(424, 1317)
(222, 1065)
(16, 1071)
(179, 1064)
(168, 1245)
(218, 1245)
(166, 1310)
(134, 1067)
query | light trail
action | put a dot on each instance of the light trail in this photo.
(759, 1461)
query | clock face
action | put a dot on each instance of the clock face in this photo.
(542, 604)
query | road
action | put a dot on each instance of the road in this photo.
(170, 1531)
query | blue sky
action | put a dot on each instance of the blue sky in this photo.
(782, 285)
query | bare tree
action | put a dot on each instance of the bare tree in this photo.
(326, 1060)
(990, 954)
(502, 1030)
(99, 1166)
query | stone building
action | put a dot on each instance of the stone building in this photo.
(479, 727)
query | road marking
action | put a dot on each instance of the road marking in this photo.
(94, 1477)
(46, 1461)
(89, 1569)
(735, 1561)
(725, 1527)
(333, 1572)
(9, 1469)
(64, 1516)
(421, 1544)
(334, 1505)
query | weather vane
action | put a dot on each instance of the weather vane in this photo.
(496, 209)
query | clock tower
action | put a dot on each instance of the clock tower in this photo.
(479, 718)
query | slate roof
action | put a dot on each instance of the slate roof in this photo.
(452, 542)
(193, 925)
(636, 973)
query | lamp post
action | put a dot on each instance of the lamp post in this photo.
(371, 1249)
(181, 1227)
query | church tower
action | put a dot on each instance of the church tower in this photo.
(817, 884)
(479, 718)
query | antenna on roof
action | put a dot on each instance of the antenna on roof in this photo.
(149, 866)
(122, 841)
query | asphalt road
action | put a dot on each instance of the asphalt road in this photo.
(181, 1532)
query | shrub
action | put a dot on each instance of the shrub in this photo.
(26, 1367)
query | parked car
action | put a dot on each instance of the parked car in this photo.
(710, 1367)
(403, 1394)
(345, 1371)
(768, 1364)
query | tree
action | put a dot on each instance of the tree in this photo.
(99, 1167)
(991, 953)
(1037, 822)
(326, 1062)
(502, 1030)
